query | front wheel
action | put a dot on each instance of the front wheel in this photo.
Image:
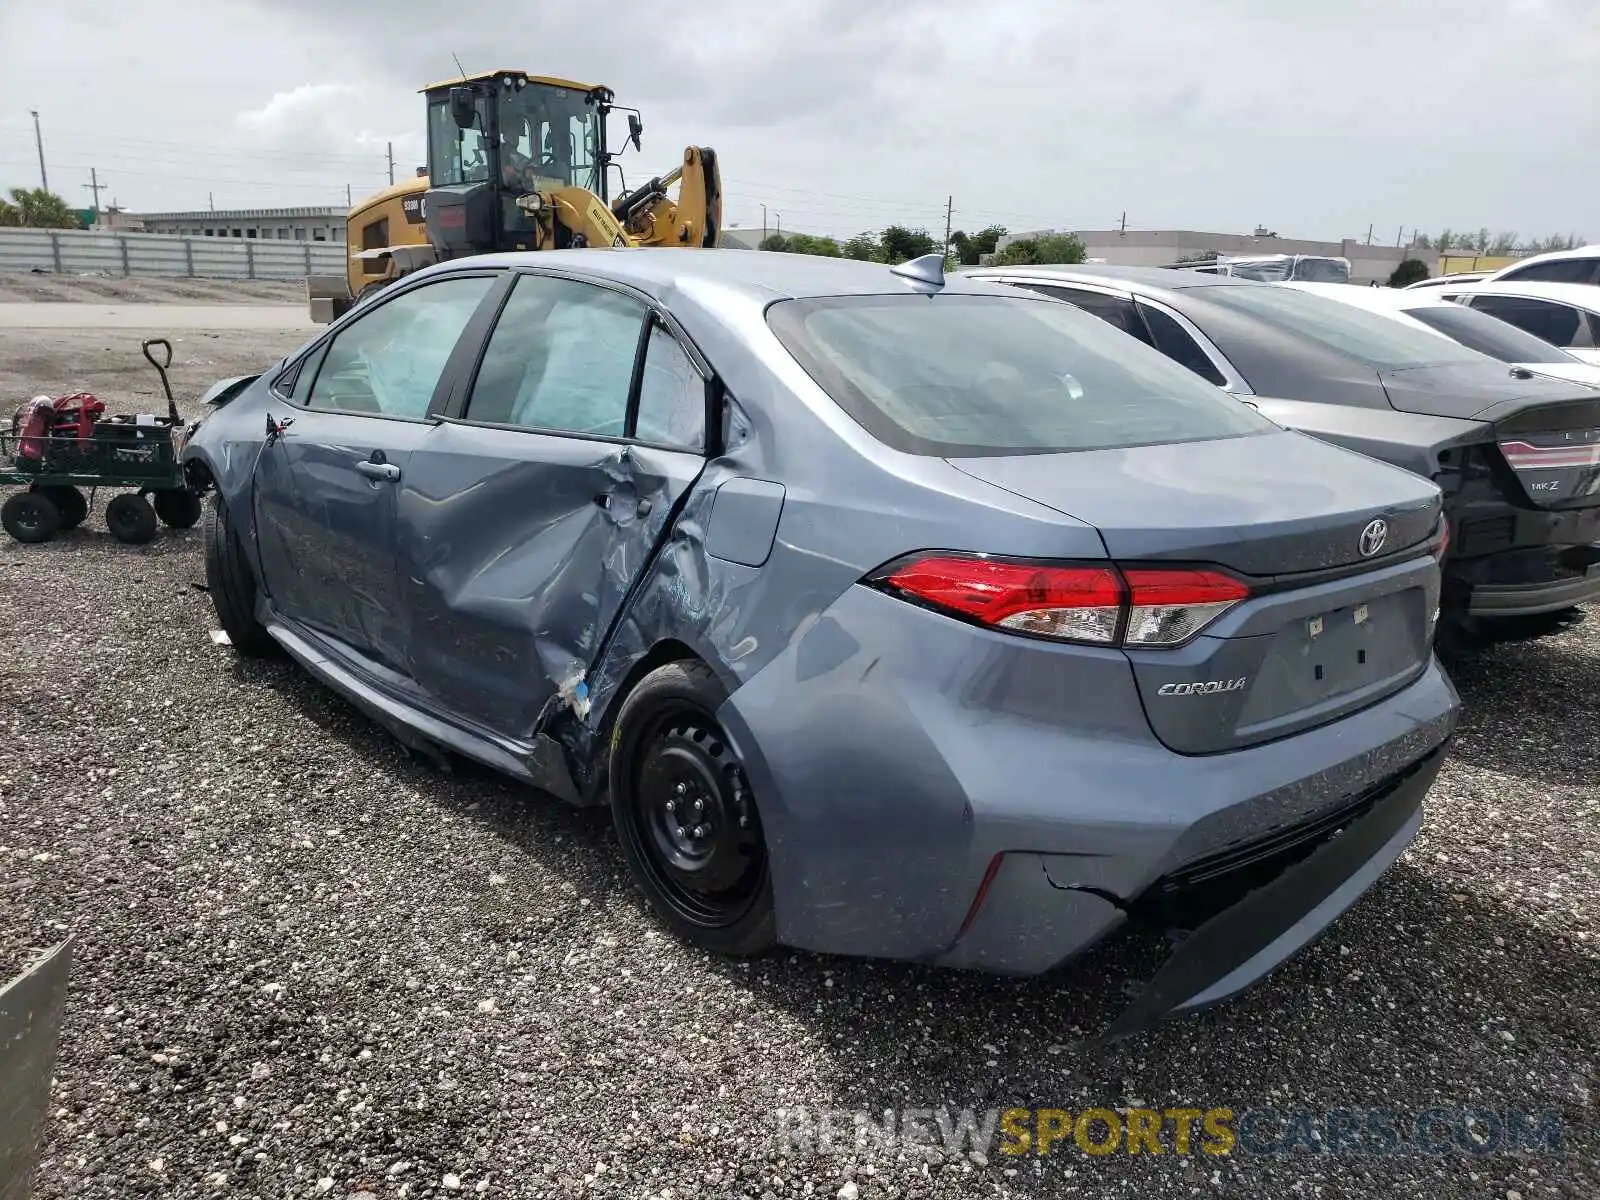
(686, 816)
(31, 517)
(130, 519)
(232, 585)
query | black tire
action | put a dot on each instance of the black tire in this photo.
(130, 519)
(30, 517)
(178, 509)
(710, 881)
(72, 504)
(232, 586)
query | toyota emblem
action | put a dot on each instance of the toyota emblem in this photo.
(1373, 537)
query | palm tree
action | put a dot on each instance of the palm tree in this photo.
(39, 209)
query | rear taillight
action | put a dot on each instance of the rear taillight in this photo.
(1444, 537)
(1098, 605)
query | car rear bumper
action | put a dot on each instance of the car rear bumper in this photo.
(1524, 582)
(900, 784)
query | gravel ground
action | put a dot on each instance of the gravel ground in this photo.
(309, 965)
(113, 289)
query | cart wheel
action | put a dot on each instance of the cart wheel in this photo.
(69, 501)
(178, 509)
(130, 518)
(30, 517)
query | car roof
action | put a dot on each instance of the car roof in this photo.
(757, 275)
(1578, 295)
(1146, 279)
(1589, 251)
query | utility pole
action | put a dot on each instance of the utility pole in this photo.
(348, 203)
(1399, 236)
(778, 216)
(949, 210)
(1122, 226)
(391, 164)
(1369, 234)
(763, 222)
(94, 186)
(38, 140)
(211, 201)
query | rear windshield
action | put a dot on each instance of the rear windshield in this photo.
(1489, 335)
(964, 375)
(1370, 337)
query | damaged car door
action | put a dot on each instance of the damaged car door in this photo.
(527, 514)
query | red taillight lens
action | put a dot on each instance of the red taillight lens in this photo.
(1096, 604)
(1080, 604)
(1444, 537)
(1169, 607)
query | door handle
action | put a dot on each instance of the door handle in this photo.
(379, 470)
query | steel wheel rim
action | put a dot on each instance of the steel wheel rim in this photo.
(694, 821)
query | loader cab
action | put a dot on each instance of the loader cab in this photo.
(500, 135)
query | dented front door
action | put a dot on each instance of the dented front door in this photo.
(517, 551)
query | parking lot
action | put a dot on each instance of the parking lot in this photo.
(308, 964)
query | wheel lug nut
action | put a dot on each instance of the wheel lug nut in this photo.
(699, 831)
(677, 830)
(681, 789)
(698, 804)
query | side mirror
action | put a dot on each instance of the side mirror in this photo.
(463, 108)
(635, 128)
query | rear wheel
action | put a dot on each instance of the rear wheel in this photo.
(685, 814)
(130, 519)
(69, 501)
(30, 517)
(178, 509)
(232, 586)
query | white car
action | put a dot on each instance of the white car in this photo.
(1563, 314)
(1438, 281)
(1473, 329)
(1581, 265)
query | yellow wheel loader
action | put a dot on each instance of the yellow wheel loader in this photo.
(517, 162)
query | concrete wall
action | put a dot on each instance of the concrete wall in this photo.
(70, 252)
(1157, 247)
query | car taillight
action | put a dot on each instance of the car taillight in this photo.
(1444, 537)
(1099, 605)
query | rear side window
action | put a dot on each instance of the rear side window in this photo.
(1371, 337)
(1566, 270)
(1114, 310)
(560, 359)
(1174, 341)
(1487, 334)
(965, 375)
(1558, 324)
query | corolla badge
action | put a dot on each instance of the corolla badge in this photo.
(1209, 687)
(1373, 537)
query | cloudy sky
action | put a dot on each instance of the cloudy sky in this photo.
(1318, 120)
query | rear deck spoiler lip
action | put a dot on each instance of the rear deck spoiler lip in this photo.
(224, 390)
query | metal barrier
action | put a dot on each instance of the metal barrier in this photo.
(76, 252)
(30, 1026)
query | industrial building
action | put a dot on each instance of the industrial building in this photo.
(322, 224)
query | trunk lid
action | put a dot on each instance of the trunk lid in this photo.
(1548, 431)
(1271, 504)
(1326, 630)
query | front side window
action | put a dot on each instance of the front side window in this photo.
(968, 375)
(560, 359)
(388, 361)
(456, 155)
(1371, 337)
